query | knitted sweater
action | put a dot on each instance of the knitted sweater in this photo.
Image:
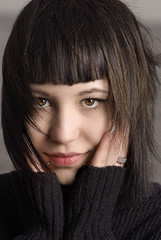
(37, 207)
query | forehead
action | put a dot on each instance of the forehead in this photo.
(92, 86)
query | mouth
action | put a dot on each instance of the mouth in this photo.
(68, 159)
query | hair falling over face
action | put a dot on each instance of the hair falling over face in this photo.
(71, 41)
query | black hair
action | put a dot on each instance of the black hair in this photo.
(72, 41)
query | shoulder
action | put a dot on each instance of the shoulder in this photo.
(156, 193)
(6, 186)
(5, 179)
(153, 202)
(151, 205)
(5, 176)
(143, 220)
(20, 182)
(7, 197)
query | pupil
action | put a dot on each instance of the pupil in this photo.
(89, 102)
(41, 102)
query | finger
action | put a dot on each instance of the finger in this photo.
(100, 157)
(118, 147)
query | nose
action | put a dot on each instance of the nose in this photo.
(65, 127)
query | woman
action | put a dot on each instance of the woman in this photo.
(79, 86)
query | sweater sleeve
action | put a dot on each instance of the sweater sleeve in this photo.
(39, 214)
(93, 199)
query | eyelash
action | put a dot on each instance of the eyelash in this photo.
(43, 99)
(86, 108)
(98, 100)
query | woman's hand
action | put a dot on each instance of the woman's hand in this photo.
(111, 147)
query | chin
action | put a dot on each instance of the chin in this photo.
(66, 176)
(66, 181)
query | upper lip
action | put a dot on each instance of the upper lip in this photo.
(70, 154)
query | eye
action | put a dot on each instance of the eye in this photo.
(91, 102)
(42, 102)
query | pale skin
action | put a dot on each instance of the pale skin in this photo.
(76, 119)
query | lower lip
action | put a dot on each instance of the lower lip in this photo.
(65, 161)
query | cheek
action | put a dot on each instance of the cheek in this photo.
(36, 137)
(97, 126)
(43, 120)
(33, 134)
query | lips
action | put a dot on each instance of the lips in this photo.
(60, 159)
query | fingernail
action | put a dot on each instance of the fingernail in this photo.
(113, 128)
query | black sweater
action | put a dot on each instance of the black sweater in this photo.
(38, 207)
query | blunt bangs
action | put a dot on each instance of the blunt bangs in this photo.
(68, 45)
(74, 41)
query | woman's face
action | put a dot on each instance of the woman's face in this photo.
(73, 120)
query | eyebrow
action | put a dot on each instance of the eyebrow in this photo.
(92, 90)
(41, 92)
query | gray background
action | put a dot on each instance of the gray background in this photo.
(147, 10)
